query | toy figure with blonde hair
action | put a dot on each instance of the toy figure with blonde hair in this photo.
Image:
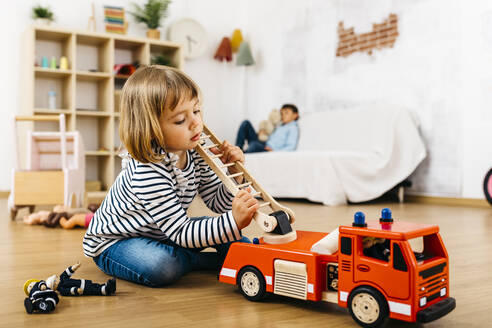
(377, 248)
(40, 298)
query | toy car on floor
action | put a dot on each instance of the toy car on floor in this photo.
(377, 269)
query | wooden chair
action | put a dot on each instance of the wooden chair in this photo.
(55, 168)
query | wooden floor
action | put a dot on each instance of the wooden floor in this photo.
(200, 300)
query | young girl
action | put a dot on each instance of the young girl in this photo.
(141, 231)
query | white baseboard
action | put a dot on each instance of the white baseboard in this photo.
(452, 201)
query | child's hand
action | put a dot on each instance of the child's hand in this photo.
(244, 206)
(231, 154)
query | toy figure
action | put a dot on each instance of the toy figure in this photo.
(80, 219)
(36, 218)
(59, 212)
(72, 217)
(67, 286)
(377, 248)
(52, 220)
(47, 218)
(41, 298)
(67, 217)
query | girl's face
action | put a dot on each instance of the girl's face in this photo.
(182, 126)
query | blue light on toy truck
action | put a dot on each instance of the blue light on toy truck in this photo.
(386, 216)
(359, 220)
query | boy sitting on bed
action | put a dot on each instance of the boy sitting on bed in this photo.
(284, 137)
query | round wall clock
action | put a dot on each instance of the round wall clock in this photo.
(191, 35)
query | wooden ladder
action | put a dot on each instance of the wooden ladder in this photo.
(267, 222)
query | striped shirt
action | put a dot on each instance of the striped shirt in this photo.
(150, 200)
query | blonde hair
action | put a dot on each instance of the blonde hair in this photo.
(146, 95)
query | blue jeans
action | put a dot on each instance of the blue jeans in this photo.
(156, 263)
(247, 133)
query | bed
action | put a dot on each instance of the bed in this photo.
(354, 155)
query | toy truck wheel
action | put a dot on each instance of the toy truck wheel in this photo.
(368, 307)
(252, 284)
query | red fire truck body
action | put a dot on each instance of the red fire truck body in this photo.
(410, 284)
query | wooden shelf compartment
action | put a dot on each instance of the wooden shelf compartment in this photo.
(53, 43)
(94, 53)
(116, 138)
(117, 102)
(171, 52)
(100, 168)
(92, 76)
(92, 113)
(121, 77)
(51, 72)
(130, 51)
(98, 153)
(45, 111)
(117, 166)
(62, 85)
(50, 34)
(94, 95)
(97, 133)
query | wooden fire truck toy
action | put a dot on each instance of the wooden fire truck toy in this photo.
(376, 269)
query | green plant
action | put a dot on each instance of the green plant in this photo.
(161, 60)
(151, 12)
(42, 12)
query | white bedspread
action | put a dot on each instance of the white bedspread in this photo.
(354, 155)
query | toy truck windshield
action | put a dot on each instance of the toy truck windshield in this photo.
(426, 248)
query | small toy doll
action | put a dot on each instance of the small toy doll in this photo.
(41, 298)
(67, 217)
(67, 286)
(377, 248)
(36, 218)
(61, 212)
(68, 221)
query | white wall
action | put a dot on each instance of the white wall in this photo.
(439, 68)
